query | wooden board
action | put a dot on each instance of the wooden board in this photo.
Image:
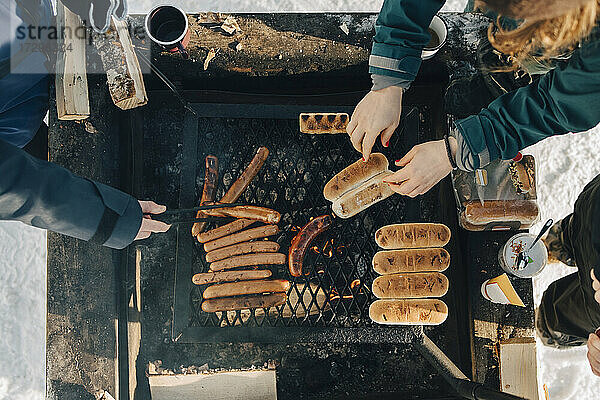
(237, 385)
(518, 367)
(72, 99)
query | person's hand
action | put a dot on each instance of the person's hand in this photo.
(150, 226)
(593, 353)
(595, 286)
(423, 167)
(377, 113)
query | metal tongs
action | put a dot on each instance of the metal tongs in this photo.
(177, 212)
(523, 256)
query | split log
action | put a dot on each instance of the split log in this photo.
(123, 72)
(72, 99)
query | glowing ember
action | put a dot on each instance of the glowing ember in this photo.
(334, 295)
(354, 283)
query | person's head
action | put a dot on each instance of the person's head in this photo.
(549, 26)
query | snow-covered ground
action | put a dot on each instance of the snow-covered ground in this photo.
(565, 165)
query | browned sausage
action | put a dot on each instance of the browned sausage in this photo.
(245, 302)
(230, 276)
(243, 236)
(238, 187)
(302, 241)
(225, 230)
(246, 287)
(257, 213)
(260, 246)
(209, 191)
(247, 260)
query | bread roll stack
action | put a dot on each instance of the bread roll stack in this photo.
(411, 280)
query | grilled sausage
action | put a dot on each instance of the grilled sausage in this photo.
(412, 236)
(230, 276)
(247, 260)
(246, 287)
(409, 312)
(238, 187)
(256, 213)
(224, 230)
(410, 285)
(242, 248)
(410, 260)
(243, 236)
(209, 191)
(242, 303)
(302, 241)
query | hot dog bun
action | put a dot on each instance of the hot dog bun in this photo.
(412, 236)
(355, 175)
(362, 197)
(409, 312)
(319, 123)
(524, 211)
(410, 285)
(411, 260)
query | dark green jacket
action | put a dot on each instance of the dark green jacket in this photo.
(566, 99)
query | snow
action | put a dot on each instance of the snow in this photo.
(565, 165)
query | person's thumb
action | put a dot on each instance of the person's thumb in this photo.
(150, 207)
(407, 158)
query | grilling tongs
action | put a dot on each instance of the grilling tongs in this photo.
(177, 212)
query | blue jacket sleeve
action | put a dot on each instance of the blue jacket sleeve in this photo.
(566, 99)
(400, 36)
(47, 196)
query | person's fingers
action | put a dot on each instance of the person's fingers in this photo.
(407, 187)
(395, 187)
(596, 285)
(594, 341)
(418, 191)
(407, 157)
(352, 125)
(150, 207)
(367, 144)
(386, 135)
(142, 235)
(399, 176)
(597, 297)
(593, 275)
(357, 138)
(593, 357)
(151, 225)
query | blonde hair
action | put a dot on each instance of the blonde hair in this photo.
(546, 38)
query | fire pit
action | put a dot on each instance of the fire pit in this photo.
(331, 301)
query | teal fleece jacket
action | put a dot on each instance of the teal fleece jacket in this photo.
(566, 99)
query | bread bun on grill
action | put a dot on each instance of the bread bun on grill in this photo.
(409, 312)
(359, 186)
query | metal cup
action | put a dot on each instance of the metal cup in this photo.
(439, 29)
(168, 27)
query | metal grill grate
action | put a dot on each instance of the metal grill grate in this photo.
(335, 293)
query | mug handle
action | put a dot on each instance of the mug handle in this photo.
(183, 51)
